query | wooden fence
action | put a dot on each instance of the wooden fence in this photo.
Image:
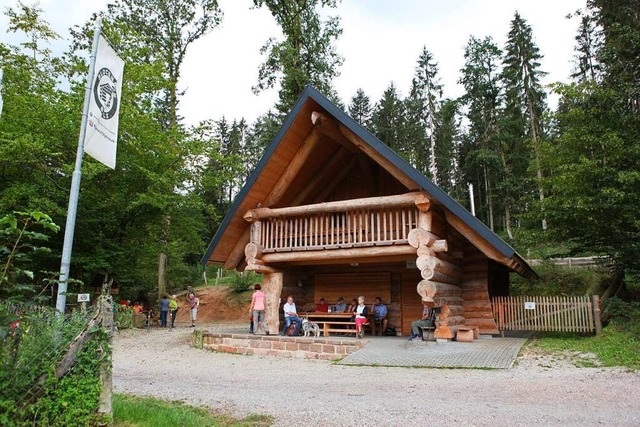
(553, 313)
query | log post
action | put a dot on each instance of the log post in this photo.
(272, 287)
(596, 314)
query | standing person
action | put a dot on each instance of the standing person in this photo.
(426, 320)
(360, 317)
(194, 303)
(164, 309)
(290, 316)
(257, 309)
(380, 312)
(173, 309)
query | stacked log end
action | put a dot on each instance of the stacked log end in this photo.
(475, 291)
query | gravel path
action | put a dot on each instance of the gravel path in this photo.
(538, 390)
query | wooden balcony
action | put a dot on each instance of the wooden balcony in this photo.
(347, 229)
(335, 226)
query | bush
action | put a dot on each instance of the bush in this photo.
(561, 280)
(242, 282)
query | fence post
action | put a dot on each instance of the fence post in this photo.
(596, 314)
(106, 387)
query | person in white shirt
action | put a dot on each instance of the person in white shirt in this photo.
(291, 315)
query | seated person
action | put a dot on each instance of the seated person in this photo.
(290, 316)
(352, 306)
(322, 306)
(380, 315)
(341, 306)
(137, 307)
(426, 320)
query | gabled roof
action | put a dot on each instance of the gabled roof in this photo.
(289, 139)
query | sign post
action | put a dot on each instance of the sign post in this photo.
(103, 108)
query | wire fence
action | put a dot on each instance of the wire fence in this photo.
(38, 347)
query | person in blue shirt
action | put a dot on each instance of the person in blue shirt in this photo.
(380, 315)
(164, 310)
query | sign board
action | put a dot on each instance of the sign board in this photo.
(529, 305)
(83, 298)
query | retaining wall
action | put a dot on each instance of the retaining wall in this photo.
(277, 346)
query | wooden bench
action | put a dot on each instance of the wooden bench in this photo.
(467, 333)
(331, 326)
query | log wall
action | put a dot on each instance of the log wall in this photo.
(475, 292)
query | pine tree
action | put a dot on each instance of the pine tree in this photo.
(588, 40)
(525, 103)
(387, 121)
(483, 97)
(360, 108)
(428, 88)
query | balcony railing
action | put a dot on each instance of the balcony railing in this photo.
(332, 230)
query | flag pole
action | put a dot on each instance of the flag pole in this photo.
(75, 181)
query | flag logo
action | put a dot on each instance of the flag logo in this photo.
(101, 132)
(105, 93)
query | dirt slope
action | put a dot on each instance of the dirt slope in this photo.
(217, 304)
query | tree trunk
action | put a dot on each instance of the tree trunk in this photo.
(162, 268)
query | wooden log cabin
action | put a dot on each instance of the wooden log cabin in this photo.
(332, 211)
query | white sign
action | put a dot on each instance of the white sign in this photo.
(83, 298)
(529, 305)
(101, 134)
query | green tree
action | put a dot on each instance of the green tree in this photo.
(305, 56)
(387, 121)
(360, 108)
(479, 154)
(161, 31)
(427, 87)
(525, 105)
(448, 139)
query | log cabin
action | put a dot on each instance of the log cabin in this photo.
(331, 211)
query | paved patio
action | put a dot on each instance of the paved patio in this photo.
(486, 352)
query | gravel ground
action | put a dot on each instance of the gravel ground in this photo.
(539, 390)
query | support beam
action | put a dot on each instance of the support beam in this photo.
(372, 203)
(338, 254)
(272, 287)
(378, 158)
(293, 168)
(337, 180)
(337, 163)
(329, 127)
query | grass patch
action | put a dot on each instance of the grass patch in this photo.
(132, 411)
(615, 347)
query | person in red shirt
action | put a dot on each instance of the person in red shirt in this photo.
(322, 306)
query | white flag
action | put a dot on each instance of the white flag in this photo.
(101, 135)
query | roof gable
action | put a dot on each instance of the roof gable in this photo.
(290, 142)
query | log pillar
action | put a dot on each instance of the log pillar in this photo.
(272, 287)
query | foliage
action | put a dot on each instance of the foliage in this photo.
(560, 280)
(616, 346)
(73, 400)
(243, 281)
(124, 317)
(305, 56)
(21, 237)
(149, 412)
(33, 343)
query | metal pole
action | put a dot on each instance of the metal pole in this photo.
(74, 193)
(473, 205)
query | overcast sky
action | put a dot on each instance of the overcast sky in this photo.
(380, 43)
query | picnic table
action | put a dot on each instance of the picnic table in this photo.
(336, 322)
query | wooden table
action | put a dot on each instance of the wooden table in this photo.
(336, 319)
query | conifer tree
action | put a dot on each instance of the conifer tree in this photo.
(360, 108)
(525, 104)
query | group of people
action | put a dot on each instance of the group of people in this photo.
(169, 307)
(360, 312)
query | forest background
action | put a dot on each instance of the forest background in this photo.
(551, 181)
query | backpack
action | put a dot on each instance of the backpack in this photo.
(390, 332)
